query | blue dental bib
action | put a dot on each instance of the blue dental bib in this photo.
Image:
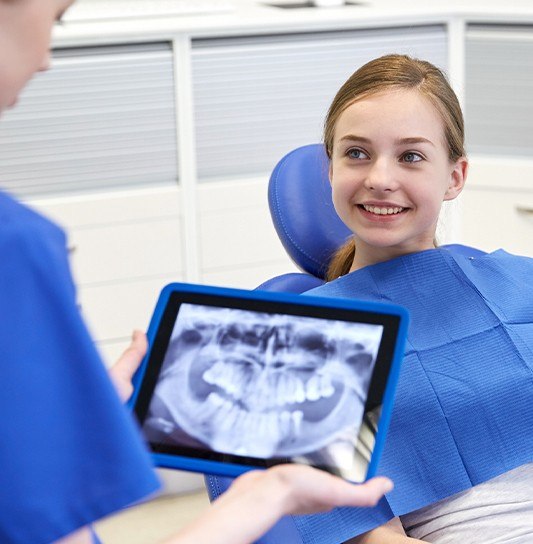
(463, 409)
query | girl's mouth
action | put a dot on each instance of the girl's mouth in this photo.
(382, 210)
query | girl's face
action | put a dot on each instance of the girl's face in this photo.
(390, 173)
(25, 29)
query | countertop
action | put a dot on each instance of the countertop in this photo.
(253, 18)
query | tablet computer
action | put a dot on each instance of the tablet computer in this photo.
(236, 380)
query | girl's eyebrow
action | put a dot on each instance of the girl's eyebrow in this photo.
(415, 140)
(354, 138)
(399, 141)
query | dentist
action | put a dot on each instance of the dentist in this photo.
(69, 452)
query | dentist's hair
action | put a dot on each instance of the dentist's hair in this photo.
(388, 73)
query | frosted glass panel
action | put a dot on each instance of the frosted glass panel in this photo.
(499, 90)
(101, 118)
(257, 98)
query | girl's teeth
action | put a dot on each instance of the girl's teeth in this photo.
(382, 211)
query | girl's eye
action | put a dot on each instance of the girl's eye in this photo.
(357, 154)
(411, 157)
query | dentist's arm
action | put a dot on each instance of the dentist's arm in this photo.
(258, 499)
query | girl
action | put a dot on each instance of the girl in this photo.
(460, 445)
(69, 452)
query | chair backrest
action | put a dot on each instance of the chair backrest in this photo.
(299, 196)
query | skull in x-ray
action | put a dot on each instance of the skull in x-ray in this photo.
(265, 385)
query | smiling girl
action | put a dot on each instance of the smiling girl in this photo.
(394, 134)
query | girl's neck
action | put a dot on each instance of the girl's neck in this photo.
(369, 255)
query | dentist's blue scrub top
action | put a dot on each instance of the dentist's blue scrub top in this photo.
(69, 451)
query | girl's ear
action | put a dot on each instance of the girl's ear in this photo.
(457, 179)
(330, 171)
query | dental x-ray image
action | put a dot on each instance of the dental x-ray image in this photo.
(265, 385)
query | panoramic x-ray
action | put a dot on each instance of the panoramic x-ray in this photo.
(265, 385)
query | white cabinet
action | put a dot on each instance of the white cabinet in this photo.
(258, 97)
(94, 144)
(498, 97)
(496, 219)
(497, 205)
(125, 246)
(102, 118)
(239, 247)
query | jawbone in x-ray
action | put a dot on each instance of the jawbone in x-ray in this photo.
(264, 385)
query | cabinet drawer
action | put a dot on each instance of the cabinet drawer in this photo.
(492, 219)
(110, 253)
(111, 207)
(235, 227)
(249, 277)
(121, 234)
(112, 311)
(238, 238)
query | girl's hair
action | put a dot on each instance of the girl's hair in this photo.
(394, 72)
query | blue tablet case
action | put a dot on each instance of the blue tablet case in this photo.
(249, 298)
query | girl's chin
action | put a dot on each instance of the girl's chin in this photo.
(382, 242)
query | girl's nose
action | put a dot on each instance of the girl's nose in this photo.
(381, 177)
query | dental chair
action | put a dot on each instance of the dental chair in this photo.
(299, 197)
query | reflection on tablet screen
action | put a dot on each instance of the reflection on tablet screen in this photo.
(268, 386)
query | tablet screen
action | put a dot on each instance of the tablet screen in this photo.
(266, 384)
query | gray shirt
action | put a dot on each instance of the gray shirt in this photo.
(495, 512)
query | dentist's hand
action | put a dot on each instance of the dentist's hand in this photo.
(258, 499)
(121, 373)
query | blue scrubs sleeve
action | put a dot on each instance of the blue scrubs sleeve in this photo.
(69, 451)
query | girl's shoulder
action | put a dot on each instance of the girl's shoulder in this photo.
(498, 264)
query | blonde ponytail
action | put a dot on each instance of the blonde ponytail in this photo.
(341, 261)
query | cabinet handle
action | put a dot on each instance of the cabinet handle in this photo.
(524, 209)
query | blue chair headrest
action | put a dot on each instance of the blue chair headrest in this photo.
(299, 196)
